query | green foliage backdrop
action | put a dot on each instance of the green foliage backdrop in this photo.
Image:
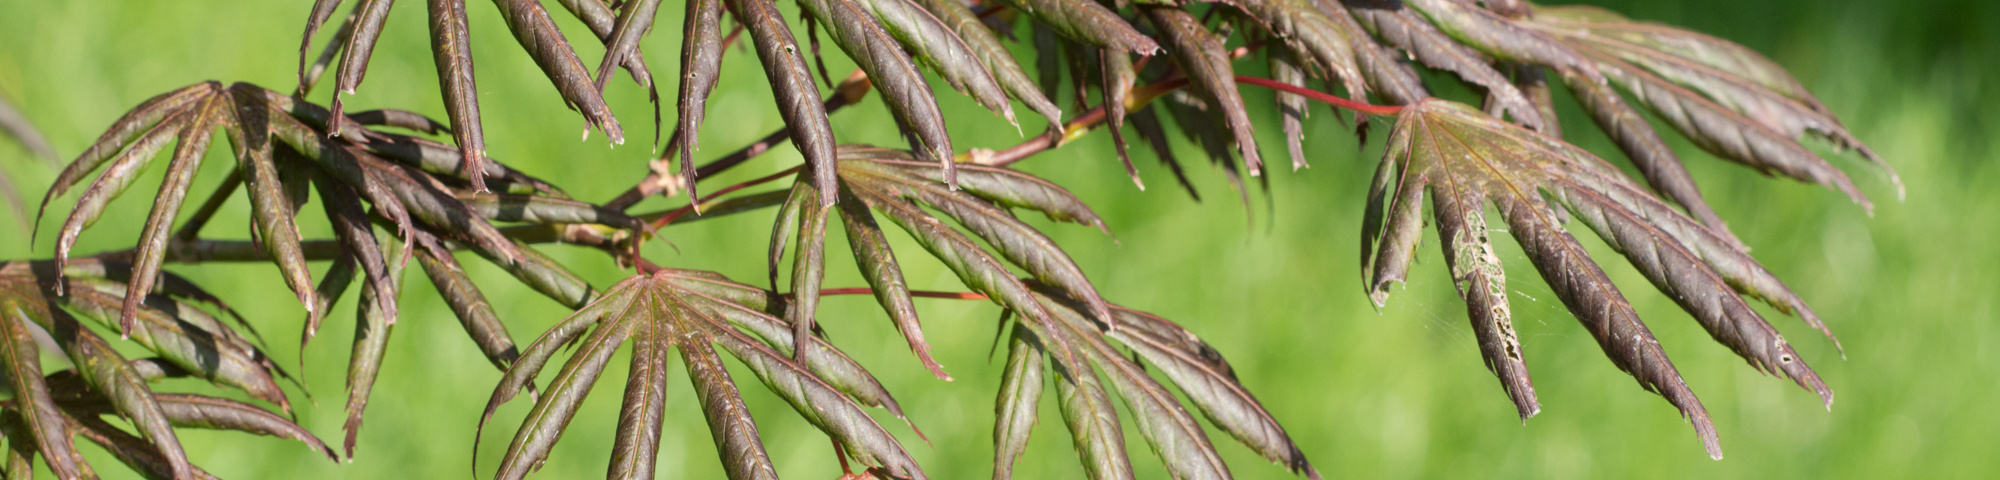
(1395, 393)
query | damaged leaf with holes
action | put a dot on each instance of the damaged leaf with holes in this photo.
(1464, 161)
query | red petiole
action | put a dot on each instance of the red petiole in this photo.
(676, 214)
(1322, 97)
(913, 293)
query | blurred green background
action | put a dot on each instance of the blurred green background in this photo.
(1395, 393)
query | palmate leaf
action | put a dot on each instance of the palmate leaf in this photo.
(191, 114)
(694, 312)
(46, 412)
(892, 183)
(1589, 71)
(947, 38)
(1463, 159)
(403, 178)
(418, 189)
(432, 198)
(265, 134)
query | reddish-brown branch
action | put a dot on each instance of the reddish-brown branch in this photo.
(1145, 94)
(676, 214)
(731, 39)
(1323, 97)
(849, 92)
(857, 85)
(913, 293)
(645, 267)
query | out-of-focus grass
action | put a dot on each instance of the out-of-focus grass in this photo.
(1368, 394)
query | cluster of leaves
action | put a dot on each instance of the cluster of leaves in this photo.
(430, 198)
(1464, 159)
(47, 410)
(365, 178)
(693, 312)
(1061, 312)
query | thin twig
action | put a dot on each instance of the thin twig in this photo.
(192, 227)
(914, 293)
(1139, 98)
(1322, 97)
(849, 92)
(676, 214)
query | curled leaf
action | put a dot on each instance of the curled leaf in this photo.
(372, 327)
(272, 213)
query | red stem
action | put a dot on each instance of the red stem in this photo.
(913, 293)
(1090, 118)
(1049, 140)
(731, 39)
(645, 267)
(677, 213)
(1323, 97)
